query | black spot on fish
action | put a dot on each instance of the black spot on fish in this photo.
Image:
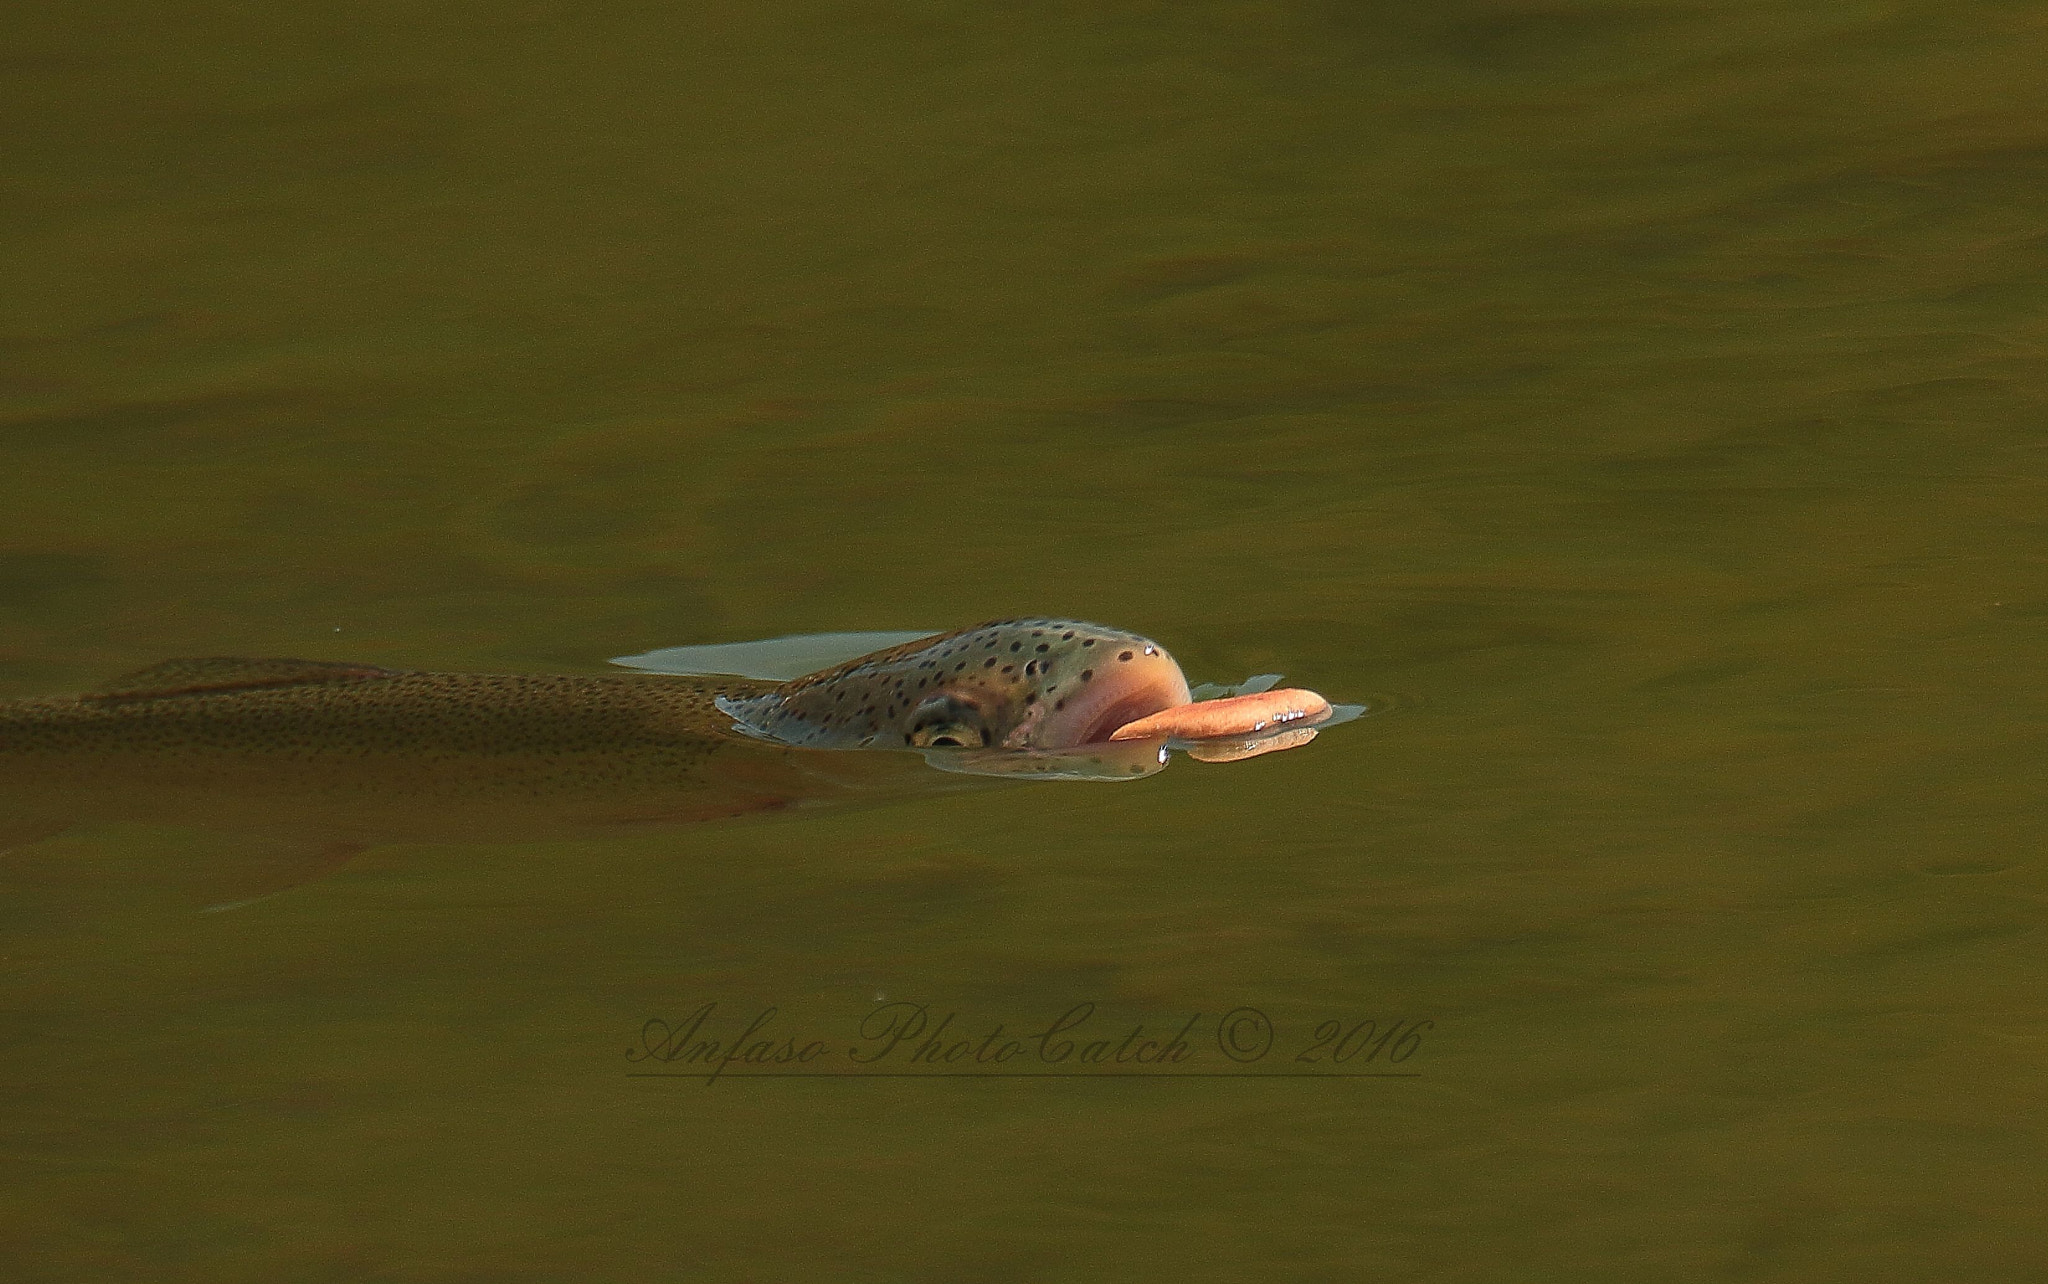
(989, 663)
(1009, 668)
(1016, 646)
(1086, 674)
(1043, 647)
(1068, 636)
(1087, 641)
(1125, 656)
(1059, 704)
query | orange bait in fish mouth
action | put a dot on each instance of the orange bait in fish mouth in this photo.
(1244, 715)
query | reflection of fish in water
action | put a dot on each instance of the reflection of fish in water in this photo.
(358, 754)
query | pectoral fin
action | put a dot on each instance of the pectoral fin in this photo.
(284, 865)
(215, 674)
(125, 868)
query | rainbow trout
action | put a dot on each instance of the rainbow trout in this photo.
(367, 754)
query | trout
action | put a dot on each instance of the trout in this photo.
(366, 754)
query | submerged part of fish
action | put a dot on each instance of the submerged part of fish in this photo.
(407, 754)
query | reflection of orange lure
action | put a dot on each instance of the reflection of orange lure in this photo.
(1236, 727)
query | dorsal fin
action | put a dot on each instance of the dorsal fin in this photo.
(216, 674)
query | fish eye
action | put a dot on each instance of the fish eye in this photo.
(946, 722)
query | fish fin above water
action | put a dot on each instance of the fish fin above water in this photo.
(215, 674)
(771, 659)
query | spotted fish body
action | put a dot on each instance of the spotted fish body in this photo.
(389, 754)
(1011, 684)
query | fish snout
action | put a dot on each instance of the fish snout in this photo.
(1101, 690)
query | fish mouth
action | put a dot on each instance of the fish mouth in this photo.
(1113, 700)
(1125, 711)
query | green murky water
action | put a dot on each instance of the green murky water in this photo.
(1647, 399)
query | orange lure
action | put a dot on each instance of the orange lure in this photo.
(1244, 715)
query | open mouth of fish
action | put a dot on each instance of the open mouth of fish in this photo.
(1037, 697)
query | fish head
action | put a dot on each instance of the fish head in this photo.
(1008, 684)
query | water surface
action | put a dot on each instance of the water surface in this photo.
(1645, 400)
